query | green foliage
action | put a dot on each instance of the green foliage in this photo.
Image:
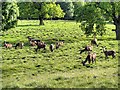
(55, 11)
(48, 10)
(10, 12)
(42, 9)
(68, 8)
(95, 14)
(76, 6)
(117, 6)
(51, 10)
(91, 17)
(27, 11)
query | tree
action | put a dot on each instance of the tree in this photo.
(10, 12)
(68, 8)
(48, 10)
(94, 15)
(76, 6)
(112, 11)
(27, 11)
(90, 17)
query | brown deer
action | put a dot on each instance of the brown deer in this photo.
(87, 48)
(94, 42)
(20, 44)
(7, 45)
(32, 41)
(29, 38)
(58, 44)
(109, 53)
(40, 45)
(90, 57)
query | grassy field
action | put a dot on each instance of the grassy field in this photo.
(24, 68)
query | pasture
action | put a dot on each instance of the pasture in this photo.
(24, 68)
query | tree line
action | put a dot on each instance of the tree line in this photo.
(91, 15)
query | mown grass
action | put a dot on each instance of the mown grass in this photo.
(24, 68)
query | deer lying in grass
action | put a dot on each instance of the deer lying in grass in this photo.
(20, 44)
(7, 45)
(108, 53)
(32, 41)
(58, 44)
(87, 48)
(40, 45)
(51, 47)
(94, 42)
(90, 57)
(29, 38)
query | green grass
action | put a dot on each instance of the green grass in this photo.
(24, 68)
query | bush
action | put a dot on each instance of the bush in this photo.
(10, 12)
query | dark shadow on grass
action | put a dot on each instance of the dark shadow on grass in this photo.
(107, 39)
(26, 25)
(99, 39)
(88, 66)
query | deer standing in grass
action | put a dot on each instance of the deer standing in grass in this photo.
(94, 41)
(40, 45)
(109, 53)
(32, 41)
(7, 45)
(87, 48)
(20, 44)
(90, 57)
(51, 47)
(58, 44)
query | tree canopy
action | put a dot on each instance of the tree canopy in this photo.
(27, 10)
(68, 8)
(10, 12)
(40, 10)
(93, 17)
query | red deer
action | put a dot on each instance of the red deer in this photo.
(29, 38)
(40, 45)
(58, 44)
(7, 45)
(20, 44)
(90, 57)
(32, 41)
(87, 48)
(51, 47)
(109, 53)
(94, 42)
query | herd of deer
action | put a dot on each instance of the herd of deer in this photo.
(91, 57)
(34, 42)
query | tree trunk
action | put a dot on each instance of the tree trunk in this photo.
(118, 31)
(41, 21)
